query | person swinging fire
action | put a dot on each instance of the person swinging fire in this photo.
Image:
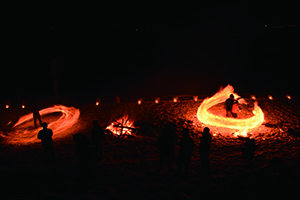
(232, 106)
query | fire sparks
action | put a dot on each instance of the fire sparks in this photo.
(122, 126)
(241, 125)
(68, 118)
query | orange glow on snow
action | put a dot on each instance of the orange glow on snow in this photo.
(195, 98)
(120, 125)
(240, 126)
(140, 101)
(97, 101)
(69, 117)
(157, 100)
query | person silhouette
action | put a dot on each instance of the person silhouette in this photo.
(97, 137)
(235, 109)
(45, 135)
(83, 152)
(165, 146)
(228, 105)
(249, 150)
(186, 147)
(36, 115)
(204, 148)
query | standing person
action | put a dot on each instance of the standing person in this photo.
(228, 105)
(165, 146)
(97, 137)
(185, 152)
(83, 152)
(204, 148)
(36, 115)
(235, 109)
(45, 135)
(249, 150)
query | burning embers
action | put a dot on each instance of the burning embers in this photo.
(24, 135)
(121, 126)
(241, 126)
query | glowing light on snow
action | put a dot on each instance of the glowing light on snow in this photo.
(270, 97)
(253, 97)
(156, 100)
(195, 98)
(288, 96)
(175, 99)
(122, 125)
(69, 117)
(140, 101)
(241, 125)
(97, 101)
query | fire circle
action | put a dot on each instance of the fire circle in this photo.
(69, 117)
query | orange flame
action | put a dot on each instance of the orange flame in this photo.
(242, 125)
(69, 117)
(123, 124)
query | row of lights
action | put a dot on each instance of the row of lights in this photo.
(195, 98)
(271, 97)
(7, 104)
(156, 100)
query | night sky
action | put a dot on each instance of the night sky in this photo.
(144, 50)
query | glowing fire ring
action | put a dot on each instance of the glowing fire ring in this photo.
(242, 125)
(69, 117)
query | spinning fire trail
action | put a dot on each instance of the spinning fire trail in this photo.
(239, 125)
(69, 117)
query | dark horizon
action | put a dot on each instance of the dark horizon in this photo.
(131, 52)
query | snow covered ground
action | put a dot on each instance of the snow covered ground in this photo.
(129, 168)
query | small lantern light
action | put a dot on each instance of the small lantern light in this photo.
(253, 97)
(140, 101)
(175, 99)
(23, 104)
(195, 98)
(288, 96)
(98, 101)
(270, 97)
(157, 100)
(6, 104)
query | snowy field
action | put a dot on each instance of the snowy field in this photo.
(129, 168)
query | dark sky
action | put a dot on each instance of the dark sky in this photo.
(147, 50)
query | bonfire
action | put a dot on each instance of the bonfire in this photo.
(121, 126)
